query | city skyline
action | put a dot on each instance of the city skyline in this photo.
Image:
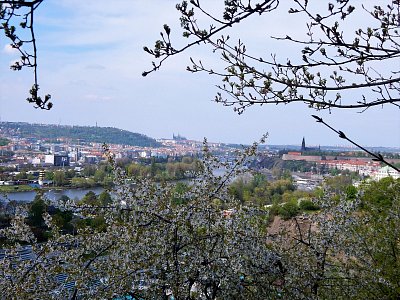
(178, 136)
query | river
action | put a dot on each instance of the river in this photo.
(55, 194)
(52, 195)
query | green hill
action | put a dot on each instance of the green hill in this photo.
(109, 135)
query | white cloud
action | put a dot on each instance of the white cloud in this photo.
(9, 50)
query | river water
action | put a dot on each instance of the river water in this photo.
(52, 195)
(55, 194)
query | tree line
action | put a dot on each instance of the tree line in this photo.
(86, 134)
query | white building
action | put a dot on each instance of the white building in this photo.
(145, 154)
(49, 159)
(36, 161)
(386, 172)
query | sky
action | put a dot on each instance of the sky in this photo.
(91, 59)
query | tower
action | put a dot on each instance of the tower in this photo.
(303, 145)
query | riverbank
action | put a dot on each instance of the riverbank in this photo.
(15, 188)
(52, 194)
(28, 188)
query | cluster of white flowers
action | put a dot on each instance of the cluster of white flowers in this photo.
(154, 248)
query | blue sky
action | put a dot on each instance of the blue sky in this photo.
(91, 60)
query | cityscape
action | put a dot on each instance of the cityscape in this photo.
(29, 154)
(199, 150)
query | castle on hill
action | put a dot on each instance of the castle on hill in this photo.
(178, 137)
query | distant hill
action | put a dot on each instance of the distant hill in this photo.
(109, 135)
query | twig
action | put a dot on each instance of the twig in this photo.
(342, 135)
(10, 12)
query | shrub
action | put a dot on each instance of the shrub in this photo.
(288, 210)
(308, 205)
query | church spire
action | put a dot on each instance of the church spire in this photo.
(303, 145)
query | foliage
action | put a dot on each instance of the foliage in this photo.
(308, 205)
(299, 165)
(342, 252)
(109, 135)
(259, 191)
(62, 220)
(37, 209)
(381, 195)
(198, 241)
(59, 178)
(188, 249)
(180, 193)
(379, 227)
(4, 141)
(89, 170)
(15, 188)
(90, 198)
(105, 198)
(174, 170)
(214, 242)
(339, 183)
(79, 182)
(289, 210)
(351, 192)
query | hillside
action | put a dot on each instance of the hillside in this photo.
(109, 135)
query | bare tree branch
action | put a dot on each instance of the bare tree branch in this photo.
(9, 12)
(377, 157)
(319, 75)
